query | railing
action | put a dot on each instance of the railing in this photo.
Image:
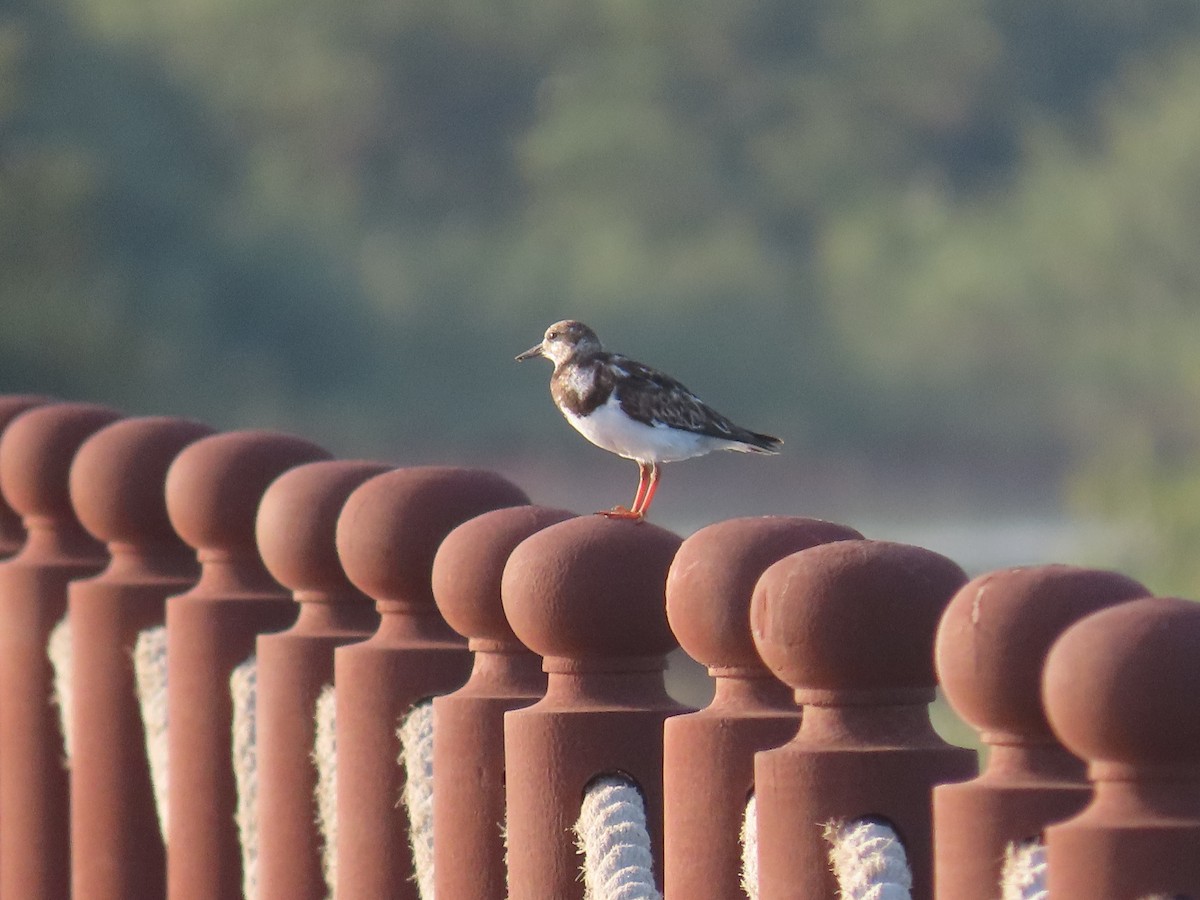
(240, 639)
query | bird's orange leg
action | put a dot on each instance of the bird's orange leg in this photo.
(645, 478)
(651, 487)
(645, 475)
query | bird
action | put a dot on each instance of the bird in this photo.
(634, 411)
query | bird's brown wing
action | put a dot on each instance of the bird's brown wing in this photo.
(655, 398)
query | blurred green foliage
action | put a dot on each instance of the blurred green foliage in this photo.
(946, 231)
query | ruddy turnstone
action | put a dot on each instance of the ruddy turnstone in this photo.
(634, 411)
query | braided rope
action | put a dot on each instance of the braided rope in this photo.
(611, 834)
(59, 652)
(1024, 873)
(150, 671)
(416, 741)
(749, 840)
(869, 861)
(324, 757)
(243, 686)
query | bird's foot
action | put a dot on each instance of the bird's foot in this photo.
(620, 512)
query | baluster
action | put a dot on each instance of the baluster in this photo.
(35, 460)
(850, 626)
(708, 756)
(117, 488)
(213, 491)
(12, 532)
(991, 646)
(297, 522)
(1120, 689)
(588, 595)
(387, 536)
(468, 743)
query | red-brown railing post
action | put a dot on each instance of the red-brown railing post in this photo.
(1120, 689)
(12, 532)
(991, 645)
(297, 526)
(213, 491)
(468, 736)
(117, 484)
(708, 756)
(35, 461)
(850, 626)
(588, 595)
(387, 536)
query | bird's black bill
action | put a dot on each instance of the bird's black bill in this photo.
(530, 353)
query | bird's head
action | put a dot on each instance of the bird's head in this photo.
(563, 341)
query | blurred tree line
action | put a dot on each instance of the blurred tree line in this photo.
(951, 231)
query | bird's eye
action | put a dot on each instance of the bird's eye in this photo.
(552, 336)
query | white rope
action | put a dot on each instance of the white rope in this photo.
(504, 843)
(59, 651)
(325, 759)
(869, 861)
(749, 839)
(243, 686)
(416, 755)
(150, 671)
(1024, 874)
(611, 834)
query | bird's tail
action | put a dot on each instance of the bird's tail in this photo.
(753, 442)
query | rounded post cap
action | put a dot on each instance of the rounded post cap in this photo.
(591, 587)
(854, 617)
(36, 452)
(296, 527)
(392, 525)
(215, 485)
(118, 476)
(712, 580)
(994, 636)
(12, 405)
(1120, 686)
(469, 566)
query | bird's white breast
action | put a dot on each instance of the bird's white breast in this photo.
(579, 381)
(610, 428)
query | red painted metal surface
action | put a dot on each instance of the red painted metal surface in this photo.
(297, 524)
(35, 459)
(708, 756)
(213, 491)
(850, 626)
(468, 791)
(1120, 690)
(117, 485)
(12, 531)
(387, 536)
(991, 645)
(375, 571)
(588, 595)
